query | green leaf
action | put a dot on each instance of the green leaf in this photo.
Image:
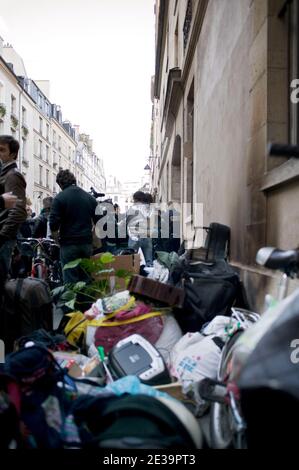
(58, 290)
(122, 273)
(68, 295)
(71, 304)
(79, 285)
(106, 271)
(88, 264)
(73, 264)
(107, 258)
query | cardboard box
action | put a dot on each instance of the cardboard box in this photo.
(174, 389)
(130, 263)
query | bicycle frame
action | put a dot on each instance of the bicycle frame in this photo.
(41, 259)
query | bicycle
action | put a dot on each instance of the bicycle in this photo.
(45, 264)
(227, 426)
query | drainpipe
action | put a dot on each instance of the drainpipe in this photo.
(21, 91)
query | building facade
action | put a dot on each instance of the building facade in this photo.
(47, 142)
(221, 92)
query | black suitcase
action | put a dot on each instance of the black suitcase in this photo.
(26, 307)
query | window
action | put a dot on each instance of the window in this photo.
(13, 102)
(115, 198)
(47, 132)
(47, 178)
(24, 115)
(40, 175)
(190, 136)
(40, 126)
(59, 143)
(40, 149)
(176, 45)
(54, 138)
(40, 101)
(1, 92)
(47, 154)
(24, 149)
(54, 159)
(167, 48)
(293, 23)
(187, 23)
(286, 91)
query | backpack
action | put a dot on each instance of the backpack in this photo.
(27, 306)
(210, 290)
(43, 403)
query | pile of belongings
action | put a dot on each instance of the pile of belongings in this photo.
(42, 407)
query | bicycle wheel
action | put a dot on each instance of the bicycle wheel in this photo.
(221, 420)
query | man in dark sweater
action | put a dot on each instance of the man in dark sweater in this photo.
(72, 213)
(11, 181)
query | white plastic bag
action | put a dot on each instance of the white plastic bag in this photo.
(169, 337)
(158, 272)
(194, 358)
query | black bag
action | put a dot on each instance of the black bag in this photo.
(26, 307)
(210, 290)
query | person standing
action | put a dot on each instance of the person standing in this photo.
(72, 214)
(11, 181)
(41, 223)
(138, 225)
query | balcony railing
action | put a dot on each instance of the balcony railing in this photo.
(187, 23)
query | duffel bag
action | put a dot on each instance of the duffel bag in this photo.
(26, 307)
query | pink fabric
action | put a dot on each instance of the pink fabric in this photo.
(108, 336)
(140, 309)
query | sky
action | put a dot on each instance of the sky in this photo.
(99, 58)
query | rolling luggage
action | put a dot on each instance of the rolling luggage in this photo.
(26, 307)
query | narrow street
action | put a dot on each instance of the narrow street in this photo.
(149, 293)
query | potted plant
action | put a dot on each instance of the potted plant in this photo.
(81, 295)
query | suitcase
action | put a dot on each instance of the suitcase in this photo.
(26, 307)
(157, 291)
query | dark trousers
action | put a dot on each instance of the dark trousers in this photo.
(71, 253)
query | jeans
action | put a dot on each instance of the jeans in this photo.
(71, 253)
(5, 256)
(146, 244)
